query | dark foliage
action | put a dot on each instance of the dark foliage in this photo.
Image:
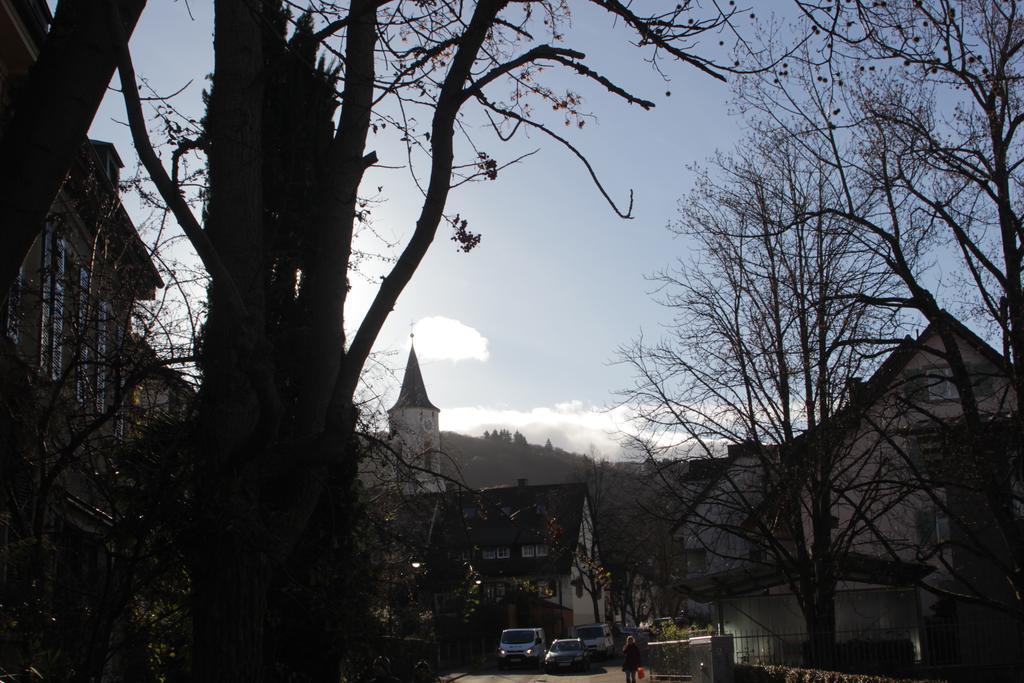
(494, 461)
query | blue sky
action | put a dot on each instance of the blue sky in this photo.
(558, 281)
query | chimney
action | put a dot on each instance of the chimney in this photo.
(521, 482)
(854, 389)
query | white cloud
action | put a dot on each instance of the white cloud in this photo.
(572, 425)
(440, 338)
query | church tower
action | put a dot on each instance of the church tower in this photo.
(415, 431)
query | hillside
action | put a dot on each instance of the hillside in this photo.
(482, 462)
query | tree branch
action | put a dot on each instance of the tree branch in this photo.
(168, 190)
(627, 214)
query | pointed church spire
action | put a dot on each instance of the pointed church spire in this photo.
(414, 391)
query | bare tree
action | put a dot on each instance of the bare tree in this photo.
(640, 558)
(589, 557)
(280, 362)
(918, 105)
(770, 330)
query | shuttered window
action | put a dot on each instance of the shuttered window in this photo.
(12, 312)
(57, 314)
(82, 368)
(51, 319)
(45, 330)
(102, 364)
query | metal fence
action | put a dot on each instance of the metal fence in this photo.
(881, 651)
(935, 644)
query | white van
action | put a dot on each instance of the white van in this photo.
(597, 638)
(521, 645)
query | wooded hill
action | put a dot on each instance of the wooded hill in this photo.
(500, 458)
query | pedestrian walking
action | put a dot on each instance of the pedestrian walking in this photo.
(631, 659)
(381, 671)
(421, 673)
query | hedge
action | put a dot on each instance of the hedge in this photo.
(870, 656)
(785, 674)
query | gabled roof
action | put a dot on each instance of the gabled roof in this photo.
(711, 471)
(514, 516)
(414, 392)
(883, 378)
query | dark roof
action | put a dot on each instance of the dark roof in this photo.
(514, 516)
(104, 207)
(104, 147)
(414, 392)
(756, 578)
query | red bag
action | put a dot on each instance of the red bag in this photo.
(640, 673)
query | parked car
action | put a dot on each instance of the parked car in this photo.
(521, 646)
(597, 638)
(567, 653)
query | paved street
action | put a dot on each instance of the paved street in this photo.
(600, 672)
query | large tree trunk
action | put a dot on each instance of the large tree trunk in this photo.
(230, 603)
(51, 118)
(820, 617)
(230, 575)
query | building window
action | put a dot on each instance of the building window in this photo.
(541, 550)
(469, 512)
(932, 526)
(45, 268)
(487, 553)
(494, 592)
(12, 312)
(940, 385)
(51, 332)
(1017, 491)
(102, 362)
(120, 422)
(529, 551)
(81, 371)
(504, 552)
(57, 310)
